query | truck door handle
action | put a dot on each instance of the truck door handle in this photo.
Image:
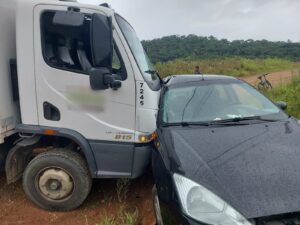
(51, 112)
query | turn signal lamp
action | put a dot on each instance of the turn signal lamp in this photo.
(147, 138)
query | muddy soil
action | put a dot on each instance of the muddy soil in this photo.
(103, 202)
(276, 79)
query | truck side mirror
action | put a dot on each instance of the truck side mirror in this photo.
(101, 79)
(97, 78)
(102, 41)
(101, 76)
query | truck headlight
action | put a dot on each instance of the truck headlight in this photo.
(204, 206)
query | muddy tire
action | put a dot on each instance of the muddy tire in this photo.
(156, 206)
(260, 87)
(57, 180)
(264, 86)
(268, 85)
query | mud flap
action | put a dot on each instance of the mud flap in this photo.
(2, 158)
(4, 148)
(18, 158)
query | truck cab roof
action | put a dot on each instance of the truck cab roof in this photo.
(72, 3)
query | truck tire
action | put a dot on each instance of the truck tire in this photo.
(57, 180)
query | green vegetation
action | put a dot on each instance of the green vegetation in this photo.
(227, 66)
(288, 93)
(123, 218)
(120, 210)
(196, 47)
(122, 189)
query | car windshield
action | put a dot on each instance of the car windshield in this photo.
(208, 101)
(139, 54)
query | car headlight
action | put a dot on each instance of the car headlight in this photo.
(204, 206)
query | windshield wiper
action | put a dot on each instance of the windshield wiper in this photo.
(186, 124)
(240, 119)
(154, 72)
(233, 121)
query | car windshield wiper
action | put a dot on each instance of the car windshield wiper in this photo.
(186, 124)
(232, 121)
(240, 119)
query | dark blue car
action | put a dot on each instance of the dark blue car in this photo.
(225, 155)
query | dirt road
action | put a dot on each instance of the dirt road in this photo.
(275, 78)
(15, 209)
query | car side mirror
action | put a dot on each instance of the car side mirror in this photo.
(102, 78)
(281, 105)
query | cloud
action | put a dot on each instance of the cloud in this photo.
(231, 19)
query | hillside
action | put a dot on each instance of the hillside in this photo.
(235, 66)
(197, 47)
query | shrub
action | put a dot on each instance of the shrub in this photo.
(229, 66)
(288, 93)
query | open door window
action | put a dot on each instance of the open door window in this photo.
(82, 43)
(66, 40)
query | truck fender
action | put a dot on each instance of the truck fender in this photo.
(66, 133)
(18, 157)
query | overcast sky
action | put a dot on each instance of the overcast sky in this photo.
(232, 19)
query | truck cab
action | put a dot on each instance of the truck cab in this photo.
(83, 99)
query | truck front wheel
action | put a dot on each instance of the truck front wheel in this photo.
(57, 180)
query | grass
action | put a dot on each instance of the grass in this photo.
(288, 93)
(124, 218)
(229, 66)
(122, 189)
(123, 213)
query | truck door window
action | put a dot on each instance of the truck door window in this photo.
(68, 48)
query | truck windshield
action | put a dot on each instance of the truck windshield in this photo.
(139, 54)
(216, 101)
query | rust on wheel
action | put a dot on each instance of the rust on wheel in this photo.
(55, 184)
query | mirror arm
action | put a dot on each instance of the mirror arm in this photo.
(108, 78)
(112, 80)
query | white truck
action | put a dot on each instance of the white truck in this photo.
(78, 99)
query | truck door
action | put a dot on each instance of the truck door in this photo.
(65, 99)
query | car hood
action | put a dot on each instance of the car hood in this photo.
(255, 168)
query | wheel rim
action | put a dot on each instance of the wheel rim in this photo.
(158, 216)
(55, 184)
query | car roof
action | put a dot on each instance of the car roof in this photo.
(180, 79)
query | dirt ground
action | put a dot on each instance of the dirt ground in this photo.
(277, 78)
(15, 209)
